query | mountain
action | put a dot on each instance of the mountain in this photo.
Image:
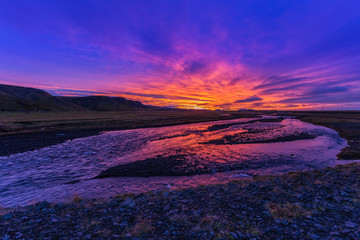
(103, 103)
(15, 98)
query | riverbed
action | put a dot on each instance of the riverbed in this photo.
(204, 153)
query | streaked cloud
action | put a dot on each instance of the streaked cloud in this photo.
(221, 54)
(249, 99)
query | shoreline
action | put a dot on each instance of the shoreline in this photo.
(23, 140)
(317, 204)
(346, 123)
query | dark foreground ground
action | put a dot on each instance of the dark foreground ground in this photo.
(321, 204)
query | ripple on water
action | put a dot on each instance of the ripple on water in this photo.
(43, 174)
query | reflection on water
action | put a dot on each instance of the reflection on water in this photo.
(42, 174)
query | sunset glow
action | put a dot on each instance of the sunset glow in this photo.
(189, 54)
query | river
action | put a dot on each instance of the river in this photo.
(212, 152)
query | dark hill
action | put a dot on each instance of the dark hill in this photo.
(103, 103)
(15, 98)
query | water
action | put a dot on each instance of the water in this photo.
(42, 174)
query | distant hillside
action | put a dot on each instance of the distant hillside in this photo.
(15, 98)
(103, 103)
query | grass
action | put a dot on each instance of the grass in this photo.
(347, 123)
(287, 211)
(180, 219)
(126, 195)
(15, 123)
(76, 199)
(209, 220)
(142, 225)
(217, 211)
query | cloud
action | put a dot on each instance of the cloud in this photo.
(327, 90)
(323, 99)
(74, 92)
(274, 81)
(195, 66)
(234, 81)
(284, 89)
(159, 96)
(158, 52)
(257, 104)
(249, 99)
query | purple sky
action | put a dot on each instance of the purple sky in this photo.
(190, 54)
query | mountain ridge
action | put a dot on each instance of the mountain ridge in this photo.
(26, 99)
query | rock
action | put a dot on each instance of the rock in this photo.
(8, 216)
(7, 237)
(240, 235)
(345, 194)
(314, 236)
(42, 205)
(123, 224)
(350, 225)
(273, 230)
(129, 202)
(267, 213)
(346, 231)
(320, 227)
(334, 234)
(234, 235)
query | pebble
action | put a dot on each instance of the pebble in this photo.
(349, 225)
(8, 216)
(234, 235)
(123, 224)
(201, 213)
(314, 236)
(129, 202)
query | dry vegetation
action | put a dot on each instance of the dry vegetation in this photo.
(288, 211)
(14, 123)
(319, 204)
(347, 123)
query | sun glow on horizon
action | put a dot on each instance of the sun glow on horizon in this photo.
(162, 54)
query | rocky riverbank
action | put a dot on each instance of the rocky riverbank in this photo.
(21, 132)
(319, 204)
(346, 123)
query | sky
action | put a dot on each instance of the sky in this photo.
(230, 55)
